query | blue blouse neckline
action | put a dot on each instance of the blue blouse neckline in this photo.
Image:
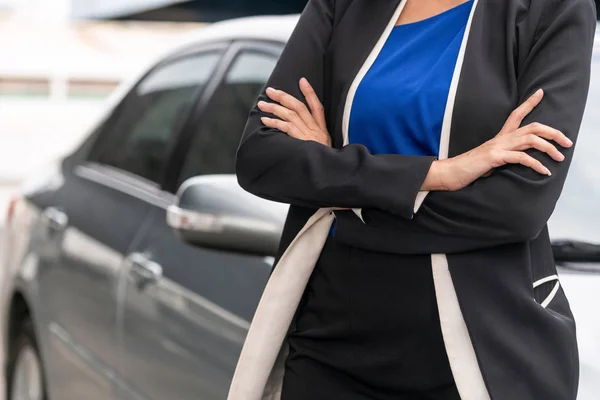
(434, 17)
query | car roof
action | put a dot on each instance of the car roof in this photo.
(272, 27)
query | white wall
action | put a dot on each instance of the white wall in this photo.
(36, 129)
(111, 8)
(51, 11)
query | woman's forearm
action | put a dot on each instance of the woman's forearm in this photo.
(275, 166)
(434, 181)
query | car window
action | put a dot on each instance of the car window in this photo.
(576, 216)
(218, 133)
(152, 114)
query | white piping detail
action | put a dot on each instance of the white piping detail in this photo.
(448, 113)
(461, 354)
(260, 366)
(365, 68)
(420, 199)
(447, 124)
(457, 340)
(360, 76)
(551, 295)
(358, 212)
(544, 280)
(554, 291)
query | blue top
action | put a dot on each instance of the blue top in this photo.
(399, 105)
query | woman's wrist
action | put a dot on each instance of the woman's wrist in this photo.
(437, 176)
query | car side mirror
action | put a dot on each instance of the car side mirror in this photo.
(215, 212)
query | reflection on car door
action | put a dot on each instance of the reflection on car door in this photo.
(183, 328)
(103, 204)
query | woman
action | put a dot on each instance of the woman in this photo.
(437, 134)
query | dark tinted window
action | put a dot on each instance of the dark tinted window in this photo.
(218, 134)
(140, 136)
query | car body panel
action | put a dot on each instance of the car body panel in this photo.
(77, 279)
(194, 318)
(193, 315)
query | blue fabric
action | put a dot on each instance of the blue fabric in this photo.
(400, 104)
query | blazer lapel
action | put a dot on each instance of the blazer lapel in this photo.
(355, 52)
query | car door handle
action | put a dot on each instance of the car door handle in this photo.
(143, 270)
(54, 219)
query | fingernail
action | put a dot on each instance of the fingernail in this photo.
(270, 90)
(569, 142)
(303, 81)
(548, 172)
(263, 120)
(262, 103)
(539, 92)
(562, 157)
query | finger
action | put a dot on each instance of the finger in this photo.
(547, 132)
(535, 142)
(283, 126)
(519, 157)
(283, 113)
(293, 104)
(315, 105)
(516, 118)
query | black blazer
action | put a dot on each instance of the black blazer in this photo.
(491, 235)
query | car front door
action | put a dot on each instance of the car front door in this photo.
(183, 326)
(102, 206)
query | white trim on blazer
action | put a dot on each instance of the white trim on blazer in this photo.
(461, 354)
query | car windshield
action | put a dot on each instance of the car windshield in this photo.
(577, 214)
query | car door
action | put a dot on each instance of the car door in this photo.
(102, 206)
(183, 327)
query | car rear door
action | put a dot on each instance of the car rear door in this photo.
(183, 325)
(103, 205)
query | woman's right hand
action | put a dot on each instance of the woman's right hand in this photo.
(508, 147)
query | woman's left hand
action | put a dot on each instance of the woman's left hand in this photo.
(295, 119)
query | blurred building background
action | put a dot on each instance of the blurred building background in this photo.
(181, 10)
(60, 59)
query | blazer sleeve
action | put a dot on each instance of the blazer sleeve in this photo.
(515, 202)
(275, 166)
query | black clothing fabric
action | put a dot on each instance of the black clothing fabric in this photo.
(306, 379)
(359, 332)
(491, 236)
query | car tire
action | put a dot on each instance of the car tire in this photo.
(25, 373)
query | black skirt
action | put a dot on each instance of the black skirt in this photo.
(367, 327)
